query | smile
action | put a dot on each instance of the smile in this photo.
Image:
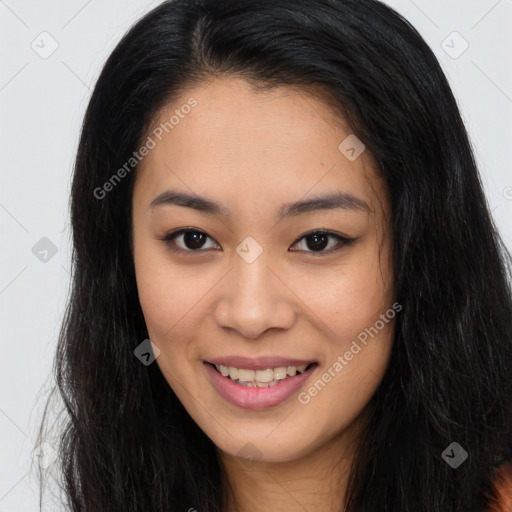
(258, 388)
(260, 378)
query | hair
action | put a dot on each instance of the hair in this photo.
(129, 444)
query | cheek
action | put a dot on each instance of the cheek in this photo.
(350, 298)
(173, 297)
(168, 308)
(363, 298)
(157, 285)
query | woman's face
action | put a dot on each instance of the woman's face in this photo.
(249, 285)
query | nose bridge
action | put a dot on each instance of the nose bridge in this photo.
(252, 279)
(253, 299)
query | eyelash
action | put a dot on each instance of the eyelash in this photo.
(342, 240)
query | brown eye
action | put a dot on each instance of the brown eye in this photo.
(317, 241)
(194, 239)
(188, 240)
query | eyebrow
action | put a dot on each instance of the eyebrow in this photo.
(334, 201)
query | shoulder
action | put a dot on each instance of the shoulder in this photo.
(501, 500)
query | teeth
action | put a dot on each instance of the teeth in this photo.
(260, 378)
(246, 375)
(258, 384)
(291, 370)
(264, 375)
(280, 373)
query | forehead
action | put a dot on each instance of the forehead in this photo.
(244, 144)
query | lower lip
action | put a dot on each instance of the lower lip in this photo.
(253, 397)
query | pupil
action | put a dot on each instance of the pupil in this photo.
(193, 239)
(319, 241)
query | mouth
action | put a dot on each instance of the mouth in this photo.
(261, 386)
(262, 378)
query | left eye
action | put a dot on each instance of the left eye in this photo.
(193, 240)
(318, 241)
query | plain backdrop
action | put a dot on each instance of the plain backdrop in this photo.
(51, 55)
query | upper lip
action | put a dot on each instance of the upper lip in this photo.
(257, 363)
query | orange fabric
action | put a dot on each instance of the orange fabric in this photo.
(501, 500)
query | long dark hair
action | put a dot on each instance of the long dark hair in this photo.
(129, 445)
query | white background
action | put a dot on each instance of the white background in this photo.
(42, 102)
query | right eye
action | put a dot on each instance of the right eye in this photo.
(186, 240)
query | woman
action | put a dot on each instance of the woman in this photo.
(282, 197)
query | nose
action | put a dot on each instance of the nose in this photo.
(253, 298)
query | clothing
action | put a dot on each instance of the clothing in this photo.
(501, 500)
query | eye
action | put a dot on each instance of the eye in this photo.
(318, 241)
(187, 240)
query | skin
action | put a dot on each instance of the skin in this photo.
(253, 151)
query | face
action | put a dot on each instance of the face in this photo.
(262, 245)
